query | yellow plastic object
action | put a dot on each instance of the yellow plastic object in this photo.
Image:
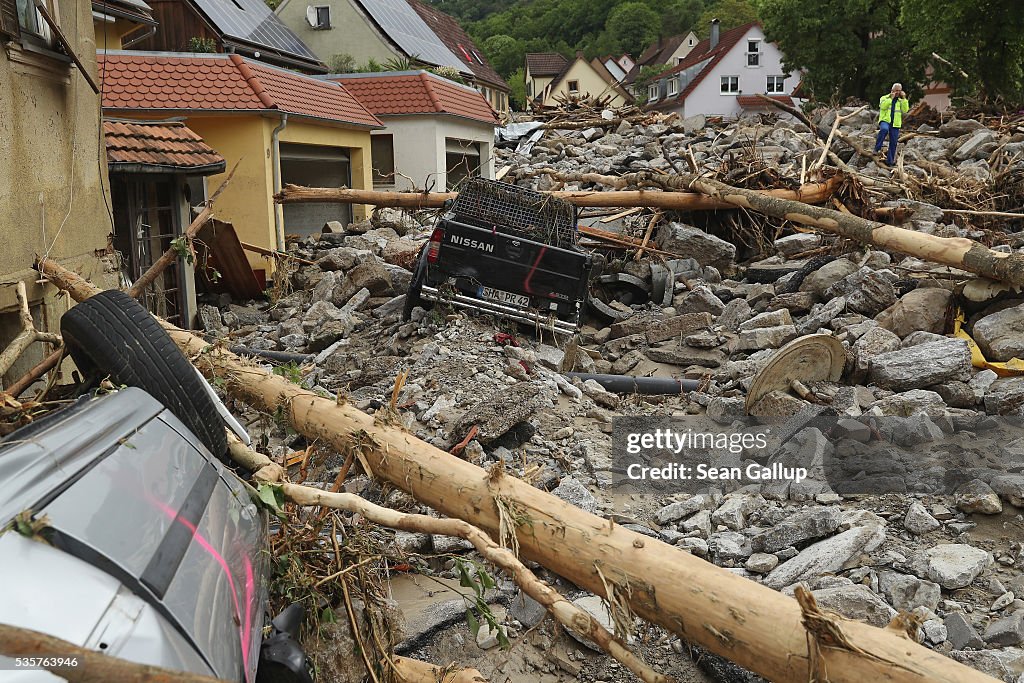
(1011, 368)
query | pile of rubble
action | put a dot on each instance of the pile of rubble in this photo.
(499, 395)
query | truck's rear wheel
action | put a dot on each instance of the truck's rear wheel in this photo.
(111, 334)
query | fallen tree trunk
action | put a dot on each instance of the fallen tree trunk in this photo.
(741, 620)
(415, 671)
(813, 193)
(91, 666)
(957, 252)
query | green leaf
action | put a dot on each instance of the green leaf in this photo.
(474, 623)
(272, 498)
(327, 616)
(485, 579)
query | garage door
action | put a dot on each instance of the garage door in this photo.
(315, 166)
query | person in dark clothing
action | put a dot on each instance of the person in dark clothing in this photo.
(891, 108)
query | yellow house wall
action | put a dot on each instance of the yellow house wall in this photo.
(590, 82)
(49, 144)
(247, 202)
(108, 35)
(247, 140)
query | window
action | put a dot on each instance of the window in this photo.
(673, 87)
(382, 151)
(20, 19)
(574, 86)
(462, 160)
(730, 85)
(775, 85)
(529, 88)
(753, 53)
(652, 92)
(323, 17)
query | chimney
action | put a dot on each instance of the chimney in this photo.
(715, 34)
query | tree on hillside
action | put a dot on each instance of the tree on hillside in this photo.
(987, 46)
(730, 14)
(632, 26)
(867, 48)
(681, 16)
(504, 52)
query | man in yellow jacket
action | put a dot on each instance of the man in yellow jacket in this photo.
(891, 109)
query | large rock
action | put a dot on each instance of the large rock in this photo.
(826, 276)
(920, 366)
(673, 512)
(921, 309)
(951, 565)
(1006, 631)
(826, 557)
(677, 326)
(798, 528)
(954, 128)
(855, 602)
(1010, 487)
(759, 338)
(918, 521)
(977, 497)
(690, 242)
(700, 299)
(1001, 335)
(873, 343)
(970, 149)
(499, 412)
(373, 275)
(1005, 396)
(906, 592)
(961, 633)
(573, 492)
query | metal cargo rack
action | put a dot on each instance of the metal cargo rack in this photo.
(518, 210)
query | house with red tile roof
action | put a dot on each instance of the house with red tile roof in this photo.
(437, 132)
(723, 74)
(551, 77)
(277, 126)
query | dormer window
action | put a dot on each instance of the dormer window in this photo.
(673, 87)
(652, 92)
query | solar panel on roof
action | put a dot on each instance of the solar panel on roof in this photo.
(254, 22)
(403, 25)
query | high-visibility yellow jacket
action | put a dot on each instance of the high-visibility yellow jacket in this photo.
(886, 111)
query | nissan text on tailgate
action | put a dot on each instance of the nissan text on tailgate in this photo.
(507, 251)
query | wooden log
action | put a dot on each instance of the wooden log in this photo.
(731, 616)
(813, 193)
(414, 671)
(93, 667)
(958, 252)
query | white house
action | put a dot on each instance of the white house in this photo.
(437, 132)
(722, 75)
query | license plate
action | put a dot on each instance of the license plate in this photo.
(504, 297)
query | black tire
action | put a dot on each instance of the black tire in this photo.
(412, 297)
(111, 334)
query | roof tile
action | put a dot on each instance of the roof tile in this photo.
(167, 143)
(140, 80)
(418, 93)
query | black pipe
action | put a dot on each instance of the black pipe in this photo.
(626, 384)
(277, 356)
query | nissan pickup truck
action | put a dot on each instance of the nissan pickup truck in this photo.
(506, 251)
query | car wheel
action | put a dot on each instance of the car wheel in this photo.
(412, 297)
(111, 334)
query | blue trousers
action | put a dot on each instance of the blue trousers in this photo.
(893, 133)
